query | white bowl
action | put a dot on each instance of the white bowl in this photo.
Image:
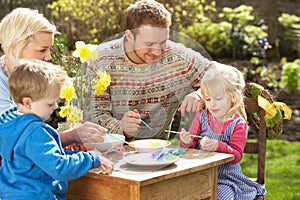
(106, 144)
(149, 145)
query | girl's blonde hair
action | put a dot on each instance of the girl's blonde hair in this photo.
(35, 79)
(17, 27)
(224, 79)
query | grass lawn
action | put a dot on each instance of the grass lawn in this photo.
(283, 169)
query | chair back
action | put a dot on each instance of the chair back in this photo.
(258, 147)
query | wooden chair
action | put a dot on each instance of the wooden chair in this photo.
(258, 147)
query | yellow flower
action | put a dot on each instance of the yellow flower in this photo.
(68, 93)
(81, 86)
(74, 115)
(64, 110)
(101, 83)
(86, 52)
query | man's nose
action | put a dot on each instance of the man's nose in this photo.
(156, 51)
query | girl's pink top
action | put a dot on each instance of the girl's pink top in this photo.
(238, 139)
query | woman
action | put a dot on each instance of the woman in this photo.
(25, 33)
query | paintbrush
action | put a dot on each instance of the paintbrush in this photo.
(117, 138)
(144, 123)
(192, 135)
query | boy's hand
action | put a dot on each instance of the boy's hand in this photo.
(106, 165)
(185, 137)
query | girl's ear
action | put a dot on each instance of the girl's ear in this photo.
(235, 96)
(129, 36)
(26, 101)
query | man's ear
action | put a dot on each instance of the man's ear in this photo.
(26, 101)
(129, 36)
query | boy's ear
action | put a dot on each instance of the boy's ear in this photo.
(26, 101)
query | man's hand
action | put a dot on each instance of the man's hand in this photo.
(130, 123)
(191, 103)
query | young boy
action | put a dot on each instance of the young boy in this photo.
(34, 164)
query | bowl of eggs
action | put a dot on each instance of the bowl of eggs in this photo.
(104, 143)
(149, 145)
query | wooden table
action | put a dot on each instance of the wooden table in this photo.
(193, 176)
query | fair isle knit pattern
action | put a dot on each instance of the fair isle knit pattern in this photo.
(155, 90)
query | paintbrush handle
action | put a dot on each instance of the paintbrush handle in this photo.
(143, 122)
(192, 135)
(118, 138)
(147, 125)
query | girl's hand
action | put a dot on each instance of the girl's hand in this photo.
(208, 144)
(185, 137)
(106, 165)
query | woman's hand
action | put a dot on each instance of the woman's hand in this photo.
(208, 144)
(84, 133)
(89, 132)
(185, 137)
(130, 123)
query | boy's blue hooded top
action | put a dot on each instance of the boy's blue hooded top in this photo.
(34, 165)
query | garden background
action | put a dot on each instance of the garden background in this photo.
(260, 37)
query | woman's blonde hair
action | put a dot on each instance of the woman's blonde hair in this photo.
(225, 79)
(17, 27)
(35, 79)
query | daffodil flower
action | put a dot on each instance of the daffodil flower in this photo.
(64, 110)
(86, 52)
(74, 115)
(68, 93)
(101, 83)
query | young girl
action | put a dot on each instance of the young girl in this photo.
(34, 164)
(224, 129)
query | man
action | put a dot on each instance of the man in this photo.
(151, 76)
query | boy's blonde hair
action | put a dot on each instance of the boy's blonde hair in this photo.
(17, 27)
(224, 79)
(35, 79)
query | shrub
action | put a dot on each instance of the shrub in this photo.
(290, 76)
(290, 41)
(236, 33)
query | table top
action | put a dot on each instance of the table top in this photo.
(192, 160)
